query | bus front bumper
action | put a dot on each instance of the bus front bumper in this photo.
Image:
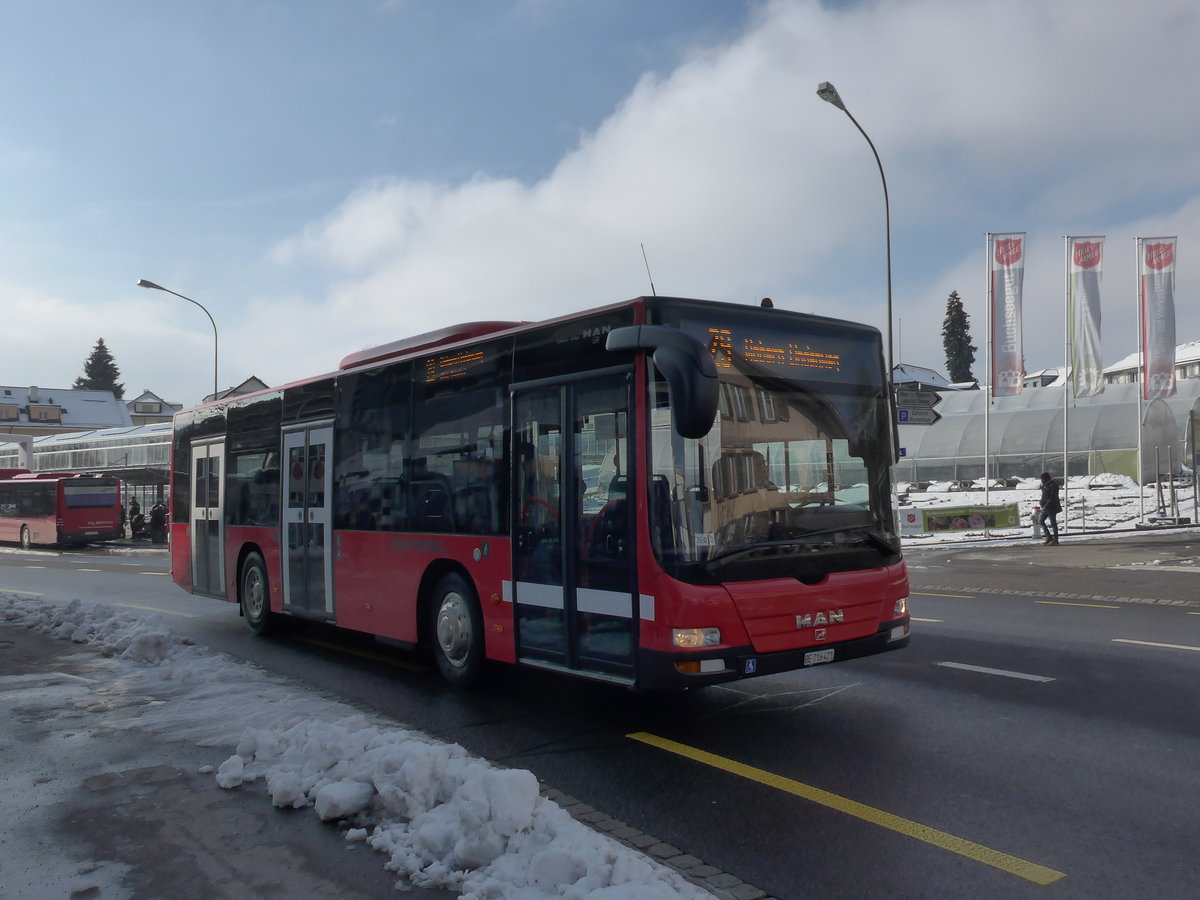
(660, 671)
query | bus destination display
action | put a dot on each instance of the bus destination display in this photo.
(776, 352)
(447, 366)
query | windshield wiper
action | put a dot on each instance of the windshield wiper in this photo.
(724, 559)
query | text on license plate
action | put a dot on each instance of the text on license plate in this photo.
(816, 657)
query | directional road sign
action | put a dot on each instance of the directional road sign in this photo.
(918, 399)
(921, 415)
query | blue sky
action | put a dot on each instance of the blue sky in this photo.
(325, 176)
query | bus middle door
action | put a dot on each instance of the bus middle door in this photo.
(574, 577)
(307, 565)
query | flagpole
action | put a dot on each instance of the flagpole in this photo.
(987, 400)
(1068, 373)
(1141, 370)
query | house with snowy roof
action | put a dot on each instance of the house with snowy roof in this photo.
(1187, 365)
(39, 411)
(148, 408)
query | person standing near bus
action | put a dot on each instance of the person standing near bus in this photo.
(158, 523)
(1051, 507)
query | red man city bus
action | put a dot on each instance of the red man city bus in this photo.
(663, 493)
(58, 508)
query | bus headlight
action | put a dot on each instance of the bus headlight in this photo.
(901, 608)
(694, 638)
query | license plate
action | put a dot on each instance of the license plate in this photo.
(816, 657)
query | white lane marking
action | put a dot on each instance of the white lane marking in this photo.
(1158, 567)
(154, 573)
(986, 671)
(35, 567)
(165, 612)
(915, 619)
(1155, 644)
(89, 570)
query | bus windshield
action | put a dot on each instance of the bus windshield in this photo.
(792, 480)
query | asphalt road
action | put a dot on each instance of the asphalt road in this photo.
(1040, 737)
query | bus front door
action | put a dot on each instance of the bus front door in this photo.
(307, 568)
(574, 572)
(208, 539)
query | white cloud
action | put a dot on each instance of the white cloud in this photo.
(995, 115)
(741, 183)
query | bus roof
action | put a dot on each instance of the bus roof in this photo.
(454, 335)
(449, 335)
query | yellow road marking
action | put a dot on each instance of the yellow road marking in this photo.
(18, 591)
(1002, 861)
(957, 596)
(1065, 603)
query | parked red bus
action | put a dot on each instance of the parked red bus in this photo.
(58, 508)
(662, 493)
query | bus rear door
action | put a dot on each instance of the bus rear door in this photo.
(208, 539)
(574, 577)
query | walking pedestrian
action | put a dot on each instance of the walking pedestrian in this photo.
(1051, 507)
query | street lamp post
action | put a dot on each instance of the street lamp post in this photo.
(142, 282)
(829, 94)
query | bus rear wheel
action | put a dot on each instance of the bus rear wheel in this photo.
(457, 630)
(26, 540)
(255, 596)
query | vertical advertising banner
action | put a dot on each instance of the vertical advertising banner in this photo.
(1006, 255)
(1083, 309)
(1156, 302)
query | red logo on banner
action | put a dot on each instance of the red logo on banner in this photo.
(1159, 256)
(1087, 254)
(1008, 251)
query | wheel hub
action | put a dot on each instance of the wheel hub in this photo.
(454, 630)
(252, 591)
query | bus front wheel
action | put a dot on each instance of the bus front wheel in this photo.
(26, 540)
(457, 630)
(254, 594)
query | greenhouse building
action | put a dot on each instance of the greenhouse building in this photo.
(1024, 435)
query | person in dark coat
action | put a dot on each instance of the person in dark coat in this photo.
(1051, 507)
(158, 523)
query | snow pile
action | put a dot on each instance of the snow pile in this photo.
(443, 818)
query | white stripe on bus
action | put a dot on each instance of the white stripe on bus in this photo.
(588, 600)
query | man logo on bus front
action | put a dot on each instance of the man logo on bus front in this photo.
(831, 617)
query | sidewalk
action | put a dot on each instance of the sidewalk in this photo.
(1145, 567)
(97, 809)
(1166, 546)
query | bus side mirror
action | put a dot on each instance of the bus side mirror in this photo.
(688, 368)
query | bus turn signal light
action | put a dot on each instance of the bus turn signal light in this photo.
(700, 666)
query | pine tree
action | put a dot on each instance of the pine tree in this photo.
(956, 338)
(100, 372)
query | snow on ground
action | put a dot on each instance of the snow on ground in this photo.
(1093, 504)
(443, 818)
